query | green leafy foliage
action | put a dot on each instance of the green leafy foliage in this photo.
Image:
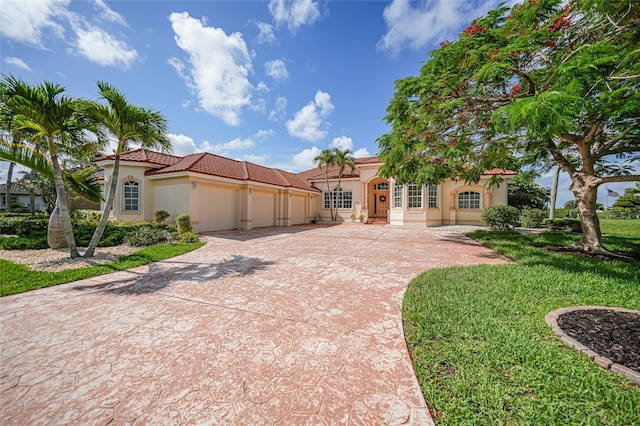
(532, 218)
(188, 238)
(544, 79)
(142, 236)
(500, 217)
(161, 215)
(524, 193)
(36, 242)
(183, 222)
(23, 225)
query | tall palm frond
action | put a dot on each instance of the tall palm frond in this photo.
(83, 182)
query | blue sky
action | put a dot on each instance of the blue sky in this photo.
(272, 82)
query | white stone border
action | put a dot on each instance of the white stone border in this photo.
(552, 319)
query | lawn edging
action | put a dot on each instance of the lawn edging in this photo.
(552, 319)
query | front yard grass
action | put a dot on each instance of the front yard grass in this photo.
(16, 278)
(483, 352)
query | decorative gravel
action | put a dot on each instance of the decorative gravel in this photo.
(54, 260)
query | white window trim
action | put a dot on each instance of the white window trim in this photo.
(124, 195)
(415, 197)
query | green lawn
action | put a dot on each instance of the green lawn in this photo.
(15, 278)
(624, 228)
(483, 352)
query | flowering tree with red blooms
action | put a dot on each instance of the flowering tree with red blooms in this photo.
(544, 79)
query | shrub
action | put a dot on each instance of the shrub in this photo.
(146, 235)
(161, 215)
(183, 222)
(532, 218)
(23, 225)
(188, 238)
(500, 217)
(565, 224)
(24, 243)
(90, 215)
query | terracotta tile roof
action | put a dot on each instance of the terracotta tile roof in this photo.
(215, 165)
(500, 172)
(144, 156)
(317, 174)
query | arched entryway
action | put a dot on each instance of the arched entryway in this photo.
(379, 198)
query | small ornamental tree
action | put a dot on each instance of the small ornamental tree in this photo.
(547, 78)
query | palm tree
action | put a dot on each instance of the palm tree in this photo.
(52, 121)
(129, 124)
(342, 159)
(325, 160)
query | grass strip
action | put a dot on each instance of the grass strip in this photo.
(16, 278)
(483, 353)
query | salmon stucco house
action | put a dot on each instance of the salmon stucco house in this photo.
(220, 193)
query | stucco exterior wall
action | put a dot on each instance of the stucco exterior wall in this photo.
(171, 195)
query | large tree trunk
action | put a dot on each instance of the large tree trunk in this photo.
(32, 195)
(585, 189)
(97, 234)
(63, 205)
(7, 197)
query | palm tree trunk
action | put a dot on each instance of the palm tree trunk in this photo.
(108, 206)
(554, 192)
(326, 176)
(63, 205)
(32, 194)
(7, 197)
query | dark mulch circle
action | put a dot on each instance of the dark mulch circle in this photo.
(609, 333)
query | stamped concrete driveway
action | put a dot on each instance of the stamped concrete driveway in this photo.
(283, 326)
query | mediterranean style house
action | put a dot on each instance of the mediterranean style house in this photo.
(220, 193)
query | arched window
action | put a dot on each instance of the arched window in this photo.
(382, 186)
(340, 199)
(469, 200)
(131, 196)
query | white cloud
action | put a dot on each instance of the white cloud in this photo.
(427, 21)
(279, 111)
(28, 21)
(185, 104)
(109, 15)
(294, 13)
(266, 33)
(219, 65)
(237, 144)
(308, 122)
(342, 142)
(17, 62)
(361, 153)
(262, 87)
(102, 48)
(256, 159)
(182, 144)
(304, 159)
(276, 69)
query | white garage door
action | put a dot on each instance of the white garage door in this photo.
(263, 209)
(218, 208)
(297, 210)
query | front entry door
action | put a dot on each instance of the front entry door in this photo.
(380, 203)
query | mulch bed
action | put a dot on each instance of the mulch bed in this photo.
(611, 334)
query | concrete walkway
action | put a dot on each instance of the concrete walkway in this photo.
(286, 326)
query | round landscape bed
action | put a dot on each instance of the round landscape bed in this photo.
(609, 336)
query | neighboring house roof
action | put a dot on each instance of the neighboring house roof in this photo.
(17, 189)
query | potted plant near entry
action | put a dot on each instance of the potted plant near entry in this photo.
(353, 216)
(361, 217)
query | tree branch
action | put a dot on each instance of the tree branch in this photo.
(629, 178)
